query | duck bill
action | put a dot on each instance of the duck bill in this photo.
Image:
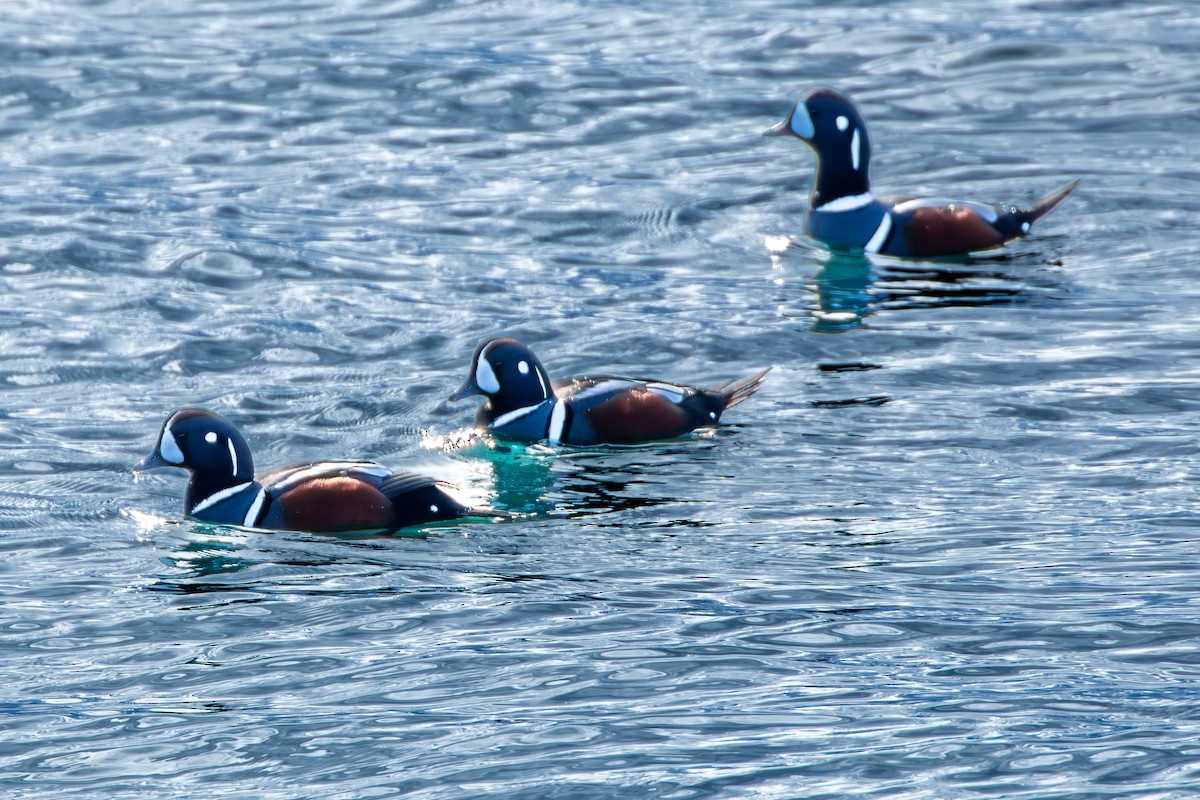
(152, 461)
(783, 129)
(468, 389)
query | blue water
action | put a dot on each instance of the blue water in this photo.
(949, 551)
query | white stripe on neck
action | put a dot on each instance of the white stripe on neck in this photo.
(512, 416)
(849, 203)
(217, 497)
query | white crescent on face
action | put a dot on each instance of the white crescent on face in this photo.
(802, 124)
(485, 376)
(168, 448)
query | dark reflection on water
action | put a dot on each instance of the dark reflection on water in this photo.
(949, 552)
(849, 288)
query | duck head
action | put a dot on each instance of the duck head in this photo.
(508, 374)
(829, 122)
(205, 445)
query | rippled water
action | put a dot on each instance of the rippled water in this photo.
(949, 551)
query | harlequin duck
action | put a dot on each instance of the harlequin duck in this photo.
(844, 215)
(522, 402)
(317, 497)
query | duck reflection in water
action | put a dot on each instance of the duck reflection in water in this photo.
(535, 481)
(849, 287)
(842, 288)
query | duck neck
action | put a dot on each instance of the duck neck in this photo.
(842, 174)
(534, 390)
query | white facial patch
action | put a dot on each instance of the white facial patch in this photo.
(232, 454)
(523, 368)
(168, 449)
(433, 509)
(211, 437)
(485, 377)
(855, 147)
(842, 123)
(802, 124)
(1024, 227)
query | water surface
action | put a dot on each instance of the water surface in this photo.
(949, 551)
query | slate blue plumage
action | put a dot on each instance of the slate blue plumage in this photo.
(524, 404)
(318, 497)
(844, 215)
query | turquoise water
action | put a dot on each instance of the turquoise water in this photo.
(949, 550)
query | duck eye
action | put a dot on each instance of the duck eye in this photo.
(211, 437)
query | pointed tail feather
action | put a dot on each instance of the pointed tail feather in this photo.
(1016, 222)
(1043, 206)
(738, 390)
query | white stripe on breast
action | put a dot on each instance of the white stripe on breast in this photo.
(558, 418)
(217, 497)
(881, 233)
(255, 508)
(512, 416)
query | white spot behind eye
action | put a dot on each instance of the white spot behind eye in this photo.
(523, 368)
(842, 123)
(433, 509)
(712, 414)
(485, 378)
(1025, 227)
(211, 437)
